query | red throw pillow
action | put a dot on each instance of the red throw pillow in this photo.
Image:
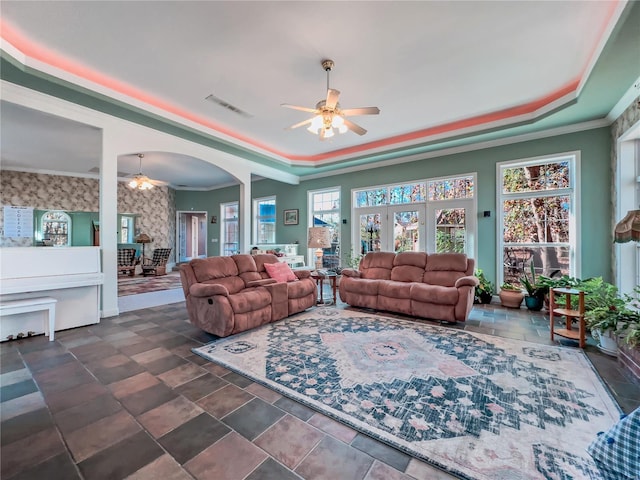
(281, 272)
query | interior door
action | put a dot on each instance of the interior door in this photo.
(195, 230)
(182, 236)
(451, 227)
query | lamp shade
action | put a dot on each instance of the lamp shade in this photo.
(628, 228)
(319, 237)
(143, 238)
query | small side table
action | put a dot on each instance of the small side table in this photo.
(319, 278)
(569, 314)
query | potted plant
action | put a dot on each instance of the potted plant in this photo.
(484, 289)
(605, 313)
(556, 281)
(629, 340)
(535, 292)
(511, 295)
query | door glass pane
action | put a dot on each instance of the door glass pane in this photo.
(450, 230)
(406, 231)
(370, 240)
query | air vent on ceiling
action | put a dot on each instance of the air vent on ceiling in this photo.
(228, 106)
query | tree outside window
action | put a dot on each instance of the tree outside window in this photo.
(537, 201)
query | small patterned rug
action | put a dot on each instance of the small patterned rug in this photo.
(135, 285)
(477, 406)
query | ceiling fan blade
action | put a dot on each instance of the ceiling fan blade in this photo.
(299, 124)
(296, 107)
(332, 98)
(354, 127)
(361, 111)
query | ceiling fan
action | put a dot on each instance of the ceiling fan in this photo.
(328, 116)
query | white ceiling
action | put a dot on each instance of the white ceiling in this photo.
(424, 64)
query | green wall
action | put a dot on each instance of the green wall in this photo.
(593, 145)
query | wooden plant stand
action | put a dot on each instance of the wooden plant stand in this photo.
(569, 314)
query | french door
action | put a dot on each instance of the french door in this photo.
(440, 227)
(390, 229)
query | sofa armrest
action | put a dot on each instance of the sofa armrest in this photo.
(469, 281)
(208, 290)
(300, 274)
(351, 272)
(261, 283)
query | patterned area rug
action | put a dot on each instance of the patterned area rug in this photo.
(139, 284)
(477, 406)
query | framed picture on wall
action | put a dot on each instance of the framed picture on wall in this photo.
(291, 217)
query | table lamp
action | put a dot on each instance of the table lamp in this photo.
(143, 238)
(319, 238)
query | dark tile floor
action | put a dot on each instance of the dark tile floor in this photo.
(126, 398)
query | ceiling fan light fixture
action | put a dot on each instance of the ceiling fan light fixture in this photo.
(329, 117)
(316, 125)
(140, 181)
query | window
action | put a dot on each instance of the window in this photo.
(56, 228)
(436, 215)
(230, 229)
(538, 218)
(324, 211)
(126, 229)
(264, 228)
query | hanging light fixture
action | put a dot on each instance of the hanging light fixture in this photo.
(140, 181)
(329, 119)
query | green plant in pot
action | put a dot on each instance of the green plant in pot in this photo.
(484, 289)
(556, 281)
(630, 327)
(511, 296)
(535, 292)
(606, 313)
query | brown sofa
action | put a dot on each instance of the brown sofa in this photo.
(227, 295)
(437, 286)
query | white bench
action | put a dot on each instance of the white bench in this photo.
(13, 307)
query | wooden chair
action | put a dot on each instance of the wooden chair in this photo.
(158, 263)
(127, 261)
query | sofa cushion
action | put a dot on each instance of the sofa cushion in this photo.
(446, 261)
(409, 267)
(377, 265)
(247, 269)
(389, 288)
(301, 289)
(281, 272)
(232, 284)
(360, 286)
(436, 294)
(213, 267)
(249, 300)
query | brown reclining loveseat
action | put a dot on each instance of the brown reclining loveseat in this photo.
(228, 295)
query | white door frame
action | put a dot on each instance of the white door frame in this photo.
(181, 241)
(469, 205)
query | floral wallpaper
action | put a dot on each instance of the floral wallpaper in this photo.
(155, 208)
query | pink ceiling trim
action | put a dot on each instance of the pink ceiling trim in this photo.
(452, 126)
(37, 52)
